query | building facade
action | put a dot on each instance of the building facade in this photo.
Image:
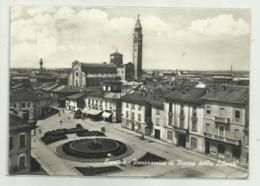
(30, 104)
(91, 74)
(19, 145)
(226, 122)
(136, 112)
(138, 49)
(75, 102)
(184, 119)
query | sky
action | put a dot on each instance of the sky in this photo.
(173, 38)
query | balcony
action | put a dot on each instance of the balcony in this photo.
(221, 119)
(222, 138)
(180, 129)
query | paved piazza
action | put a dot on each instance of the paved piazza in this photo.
(183, 159)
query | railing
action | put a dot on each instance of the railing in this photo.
(222, 138)
(221, 119)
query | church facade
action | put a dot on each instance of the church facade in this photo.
(91, 74)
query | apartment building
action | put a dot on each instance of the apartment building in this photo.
(136, 112)
(19, 145)
(226, 122)
(184, 118)
(30, 104)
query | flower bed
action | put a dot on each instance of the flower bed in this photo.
(94, 171)
(148, 159)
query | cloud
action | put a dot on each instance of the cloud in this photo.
(222, 25)
(62, 34)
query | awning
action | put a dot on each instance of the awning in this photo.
(106, 114)
(92, 111)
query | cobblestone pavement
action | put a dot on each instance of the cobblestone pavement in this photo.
(183, 159)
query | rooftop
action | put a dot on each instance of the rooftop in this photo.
(228, 94)
(16, 123)
(76, 96)
(27, 95)
(186, 95)
(66, 89)
(98, 68)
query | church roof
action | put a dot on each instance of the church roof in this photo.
(98, 68)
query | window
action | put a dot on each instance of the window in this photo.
(23, 104)
(157, 121)
(236, 133)
(170, 107)
(193, 143)
(194, 112)
(127, 106)
(11, 143)
(139, 117)
(14, 105)
(157, 112)
(170, 120)
(22, 161)
(77, 74)
(132, 115)
(28, 104)
(169, 135)
(126, 114)
(207, 127)
(194, 126)
(221, 130)
(22, 140)
(139, 107)
(237, 114)
(208, 110)
(182, 109)
(222, 111)
(133, 106)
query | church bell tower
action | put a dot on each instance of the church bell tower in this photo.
(138, 49)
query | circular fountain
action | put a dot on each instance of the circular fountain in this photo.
(93, 149)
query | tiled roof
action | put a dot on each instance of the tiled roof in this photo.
(137, 98)
(76, 96)
(112, 95)
(98, 68)
(66, 89)
(228, 94)
(97, 93)
(16, 123)
(26, 95)
(186, 95)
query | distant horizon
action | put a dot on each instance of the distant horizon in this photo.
(146, 69)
